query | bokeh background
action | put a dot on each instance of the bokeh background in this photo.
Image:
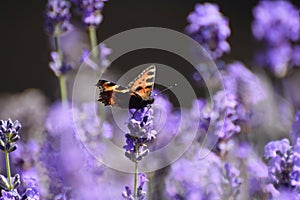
(25, 46)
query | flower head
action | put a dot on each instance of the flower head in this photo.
(58, 17)
(276, 22)
(141, 123)
(9, 131)
(91, 11)
(283, 165)
(210, 28)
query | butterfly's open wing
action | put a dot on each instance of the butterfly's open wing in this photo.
(113, 94)
(143, 84)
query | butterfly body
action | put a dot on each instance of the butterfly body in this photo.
(137, 95)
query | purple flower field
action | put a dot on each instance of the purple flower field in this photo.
(159, 100)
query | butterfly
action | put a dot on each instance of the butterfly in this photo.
(136, 95)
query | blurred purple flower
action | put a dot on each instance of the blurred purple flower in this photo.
(278, 58)
(276, 22)
(295, 173)
(104, 62)
(59, 120)
(64, 146)
(25, 160)
(296, 56)
(224, 116)
(58, 17)
(210, 28)
(194, 178)
(104, 52)
(58, 65)
(245, 85)
(91, 11)
(232, 175)
(295, 132)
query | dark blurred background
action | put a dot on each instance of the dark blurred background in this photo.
(25, 47)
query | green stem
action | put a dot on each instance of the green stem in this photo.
(136, 171)
(93, 42)
(8, 170)
(57, 47)
(63, 88)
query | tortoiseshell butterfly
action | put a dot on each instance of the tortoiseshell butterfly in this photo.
(136, 95)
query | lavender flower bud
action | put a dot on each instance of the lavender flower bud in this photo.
(4, 182)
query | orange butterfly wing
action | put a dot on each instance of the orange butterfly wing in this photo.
(143, 84)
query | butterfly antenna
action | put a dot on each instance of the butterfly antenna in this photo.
(166, 89)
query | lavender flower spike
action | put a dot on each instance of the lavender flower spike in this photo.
(276, 22)
(58, 17)
(141, 132)
(9, 131)
(210, 28)
(91, 11)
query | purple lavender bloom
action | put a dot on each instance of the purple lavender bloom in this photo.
(104, 52)
(59, 120)
(210, 28)
(194, 178)
(232, 175)
(283, 165)
(141, 132)
(141, 123)
(276, 22)
(142, 180)
(127, 194)
(103, 60)
(58, 17)
(58, 65)
(295, 173)
(278, 58)
(295, 132)
(25, 159)
(245, 85)
(296, 55)
(257, 173)
(10, 195)
(9, 131)
(30, 191)
(225, 107)
(91, 11)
